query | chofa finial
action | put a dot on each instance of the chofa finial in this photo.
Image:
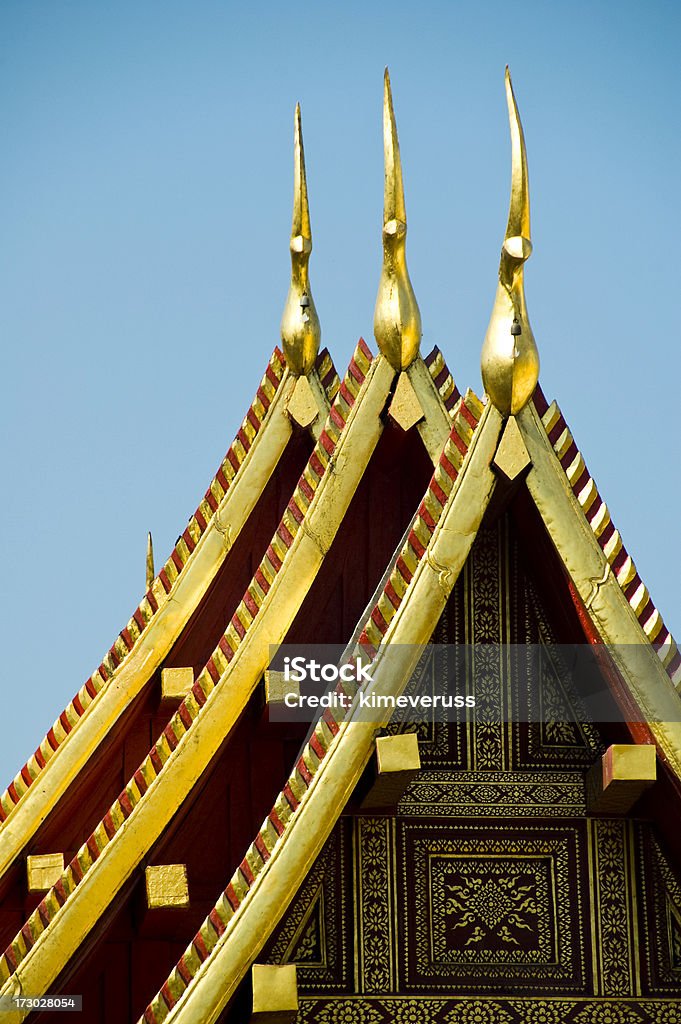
(397, 321)
(150, 560)
(300, 330)
(510, 360)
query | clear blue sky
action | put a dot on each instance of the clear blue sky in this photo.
(145, 203)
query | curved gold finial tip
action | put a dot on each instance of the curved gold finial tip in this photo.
(518, 227)
(150, 560)
(397, 320)
(510, 360)
(300, 329)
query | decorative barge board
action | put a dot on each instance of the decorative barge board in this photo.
(410, 600)
(263, 453)
(551, 865)
(294, 557)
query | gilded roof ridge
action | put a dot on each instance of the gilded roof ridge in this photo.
(598, 517)
(190, 708)
(466, 418)
(157, 594)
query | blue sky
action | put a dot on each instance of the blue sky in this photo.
(145, 204)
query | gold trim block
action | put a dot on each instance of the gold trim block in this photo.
(167, 886)
(619, 778)
(43, 870)
(397, 762)
(276, 686)
(275, 993)
(405, 408)
(511, 458)
(176, 683)
(302, 407)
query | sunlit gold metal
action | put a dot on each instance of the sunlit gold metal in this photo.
(150, 561)
(176, 683)
(397, 321)
(332, 786)
(511, 457)
(300, 330)
(157, 640)
(277, 686)
(43, 870)
(397, 762)
(510, 361)
(611, 614)
(302, 407)
(620, 776)
(405, 407)
(275, 993)
(167, 886)
(150, 817)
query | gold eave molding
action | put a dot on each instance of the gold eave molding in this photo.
(163, 630)
(59, 941)
(340, 770)
(605, 603)
(436, 423)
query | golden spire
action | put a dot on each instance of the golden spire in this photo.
(150, 560)
(510, 361)
(300, 330)
(397, 321)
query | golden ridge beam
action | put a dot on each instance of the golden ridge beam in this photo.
(300, 329)
(510, 360)
(397, 320)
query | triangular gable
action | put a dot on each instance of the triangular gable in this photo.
(421, 578)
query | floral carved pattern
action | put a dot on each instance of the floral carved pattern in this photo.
(490, 905)
(612, 890)
(375, 910)
(314, 933)
(408, 1010)
(494, 908)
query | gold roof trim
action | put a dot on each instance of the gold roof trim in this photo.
(510, 360)
(347, 751)
(138, 827)
(436, 422)
(397, 320)
(160, 785)
(242, 907)
(589, 567)
(88, 727)
(300, 329)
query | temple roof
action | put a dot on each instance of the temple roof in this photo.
(404, 612)
(476, 449)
